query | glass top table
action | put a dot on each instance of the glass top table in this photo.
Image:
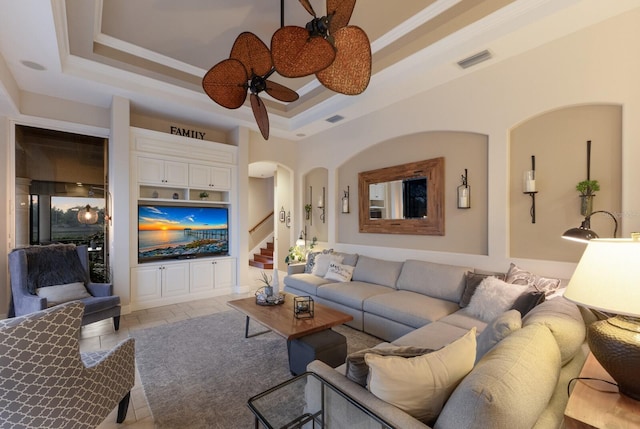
(309, 401)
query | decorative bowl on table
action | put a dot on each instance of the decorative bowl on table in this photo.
(263, 299)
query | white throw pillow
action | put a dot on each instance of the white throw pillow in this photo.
(339, 272)
(323, 260)
(421, 385)
(63, 293)
(493, 297)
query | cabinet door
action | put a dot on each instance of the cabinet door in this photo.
(225, 273)
(221, 178)
(146, 283)
(199, 176)
(176, 173)
(175, 279)
(150, 170)
(201, 276)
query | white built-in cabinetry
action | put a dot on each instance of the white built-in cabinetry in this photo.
(176, 170)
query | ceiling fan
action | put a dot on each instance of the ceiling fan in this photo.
(339, 54)
(247, 69)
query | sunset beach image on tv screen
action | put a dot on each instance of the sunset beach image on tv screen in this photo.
(166, 232)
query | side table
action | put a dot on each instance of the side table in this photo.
(309, 401)
(595, 404)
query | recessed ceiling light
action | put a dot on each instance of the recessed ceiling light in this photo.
(33, 65)
(301, 135)
(335, 118)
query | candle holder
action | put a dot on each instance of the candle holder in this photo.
(464, 193)
(321, 206)
(345, 201)
(529, 187)
(303, 307)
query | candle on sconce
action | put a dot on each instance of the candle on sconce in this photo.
(320, 203)
(529, 181)
(463, 197)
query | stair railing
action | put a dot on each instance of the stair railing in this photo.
(259, 224)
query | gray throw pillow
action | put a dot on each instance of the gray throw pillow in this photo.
(527, 301)
(357, 369)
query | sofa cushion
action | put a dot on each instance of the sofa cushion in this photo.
(564, 320)
(357, 369)
(339, 272)
(348, 258)
(99, 303)
(506, 389)
(421, 385)
(305, 282)
(462, 319)
(351, 294)
(492, 298)
(436, 280)
(379, 271)
(433, 336)
(409, 308)
(497, 330)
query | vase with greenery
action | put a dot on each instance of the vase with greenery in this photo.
(204, 195)
(307, 209)
(266, 279)
(587, 189)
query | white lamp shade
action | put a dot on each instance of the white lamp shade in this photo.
(607, 277)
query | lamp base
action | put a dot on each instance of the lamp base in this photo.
(615, 343)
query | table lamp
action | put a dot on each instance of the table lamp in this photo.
(607, 278)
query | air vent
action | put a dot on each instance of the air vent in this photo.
(475, 59)
(334, 119)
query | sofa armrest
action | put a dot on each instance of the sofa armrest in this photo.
(391, 414)
(100, 289)
(295, 269)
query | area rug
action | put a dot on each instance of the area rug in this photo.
(199, 373)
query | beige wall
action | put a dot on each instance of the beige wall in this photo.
(558, 141)
(465, 230)
(261, 200)
(283, 234)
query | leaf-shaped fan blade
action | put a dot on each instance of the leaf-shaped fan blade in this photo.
(295, 54)
(260, 113)
(341, 11)
(253, 53)
(351, 70)
(281, 92)
(308, 7)
(226, 83)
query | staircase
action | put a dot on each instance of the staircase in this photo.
(264, 259)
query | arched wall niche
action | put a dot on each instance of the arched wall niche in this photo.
(558, 140)
(466, 230)
(315, 181)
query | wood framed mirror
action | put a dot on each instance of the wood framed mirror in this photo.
(403, 199)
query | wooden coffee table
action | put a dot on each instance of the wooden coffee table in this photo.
(280, 318)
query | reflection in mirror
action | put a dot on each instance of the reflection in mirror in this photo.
(404, 199)
(398, 199)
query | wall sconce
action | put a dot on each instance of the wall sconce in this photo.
(321, 205)
(345, 201)
(87, 215)
(302, 239)
(464, 193)
(529, 187)
(282, 214)
(288, 220)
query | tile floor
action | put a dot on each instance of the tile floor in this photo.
(101, 335)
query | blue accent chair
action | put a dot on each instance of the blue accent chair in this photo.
(70, 267)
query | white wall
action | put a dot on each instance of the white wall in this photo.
(597, 65)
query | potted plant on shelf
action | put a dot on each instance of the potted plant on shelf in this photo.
(204, 195)
(587, 189)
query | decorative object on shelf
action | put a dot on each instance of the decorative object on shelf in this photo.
(606, 279)
(204, 195)
(303, 307)
(176, 196)
(587, 187)
(529, 187)
(288, 220)
(464, 192)
(154, 194)
(282, 214)
(269, 294)
(321, 205)
(345, 201)
(584, 233)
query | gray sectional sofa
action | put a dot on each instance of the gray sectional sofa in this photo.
(523, 365)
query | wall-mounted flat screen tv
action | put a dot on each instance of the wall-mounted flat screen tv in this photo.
(181, 232)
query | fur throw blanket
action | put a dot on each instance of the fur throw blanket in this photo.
(54, 264)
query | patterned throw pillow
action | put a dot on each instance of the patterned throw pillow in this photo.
(322, 263)
(339, 272)
(311, 260)
(517, 275)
